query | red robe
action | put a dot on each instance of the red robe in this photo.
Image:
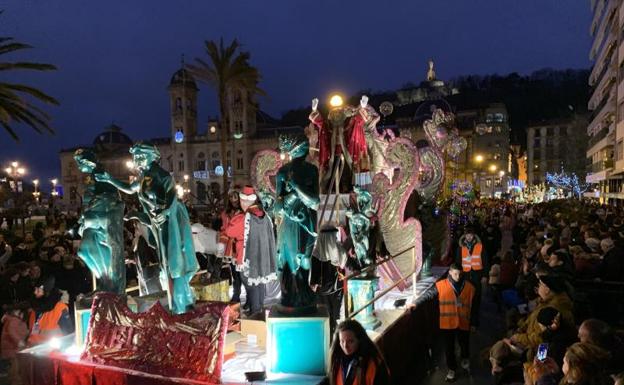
(235, 231)
(355, 139)
(324, 139)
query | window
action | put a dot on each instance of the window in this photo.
(488, 182)
(181, 165)
(178, 105)
(497, 156)
(200, 155)
(215, 155)
(536, 142)
(499, 117)
(188, 105)
(239, 163)
(538, 132)
(489, 118)
(215, 164)
(498, 182)
(499, 129)
(201, 165)
(550, 131)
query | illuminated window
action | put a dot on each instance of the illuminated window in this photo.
(488, 182)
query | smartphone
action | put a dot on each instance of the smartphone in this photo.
(542, 352)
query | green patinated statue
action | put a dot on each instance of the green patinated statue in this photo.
(295, 211)
(101, 228)
(168, 221)
(360, 224)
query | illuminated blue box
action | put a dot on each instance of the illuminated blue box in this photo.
(298, 345)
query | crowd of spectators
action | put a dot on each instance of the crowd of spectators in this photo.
(560, 283)
(39, 273)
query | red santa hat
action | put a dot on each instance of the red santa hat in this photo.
(247, 194)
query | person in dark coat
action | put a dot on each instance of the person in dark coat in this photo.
(612, 266)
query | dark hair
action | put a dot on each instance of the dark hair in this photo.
(455, 266)
(229, 207)
(367, 350)
(599, 332)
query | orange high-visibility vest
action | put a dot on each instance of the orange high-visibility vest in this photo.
(371, 370)
(472, 261)
(47, 325)
(454, 310)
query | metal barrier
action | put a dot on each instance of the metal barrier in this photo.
(384, 292)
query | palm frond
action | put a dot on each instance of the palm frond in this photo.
(11, 47)
(31, 91)
(27, 66)
(10, 130)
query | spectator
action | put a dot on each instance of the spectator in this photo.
(14, 334)
(544, 372)
(508, 271)
(506, 367)
(556, 333)
(551, 292)
(583, 365)
(612, 266)
(5, 251)
(8, 287)
(599, 333)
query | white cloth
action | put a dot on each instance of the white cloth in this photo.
(204, 239)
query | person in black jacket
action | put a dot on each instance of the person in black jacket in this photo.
(556, 333)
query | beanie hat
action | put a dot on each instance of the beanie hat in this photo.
(555, 284)
(547, 315)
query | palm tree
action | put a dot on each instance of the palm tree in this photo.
(227, 70)
(15, 106)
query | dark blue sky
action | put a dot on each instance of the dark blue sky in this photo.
(115, 58)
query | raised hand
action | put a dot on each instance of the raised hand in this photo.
(364, 101)
(315, 103)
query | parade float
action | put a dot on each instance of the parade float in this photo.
(351, 197)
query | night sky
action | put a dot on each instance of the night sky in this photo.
(115, 58)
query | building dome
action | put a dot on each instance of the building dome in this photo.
(183, 77)
(112, 137)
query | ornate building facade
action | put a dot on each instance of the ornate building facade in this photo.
(193, 156)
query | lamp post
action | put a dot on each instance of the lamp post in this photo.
(15, 172)
(36, 193)
(478, 159)
(54, 193)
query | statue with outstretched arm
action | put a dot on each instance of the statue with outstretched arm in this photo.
(168, 221)
(101, 227)
(295, 210)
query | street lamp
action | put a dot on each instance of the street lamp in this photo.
(336, 101)
(493, 167)
(54, 182)
(478, 158)
(16, 172)
(36, 193)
